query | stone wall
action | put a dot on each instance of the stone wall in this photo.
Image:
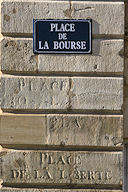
(61, 125)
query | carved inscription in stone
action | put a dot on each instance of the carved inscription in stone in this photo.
(62, 167)
(62, 93)
(89, 130)
(60, 129)
(36, 93)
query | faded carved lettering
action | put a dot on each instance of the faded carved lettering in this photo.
(61, 167)
(22, 100)
(31, 85)
(36, 174)
(12, 101)
(18, 174)
(46, 158)
(77, 123)
(108, 175)
(78, 160)
(55, 85)
(61, 160)
(21, 84)
(91, 175)
(62, 174)
(42, 86)
(63, 85)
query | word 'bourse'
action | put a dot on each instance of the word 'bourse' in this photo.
(62, 36)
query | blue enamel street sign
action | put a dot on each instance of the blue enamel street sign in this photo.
(62, 36)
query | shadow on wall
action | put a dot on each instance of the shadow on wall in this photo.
(95, 43)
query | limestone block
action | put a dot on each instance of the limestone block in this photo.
(23, 129)
(96, 93)
(64, 130)
(105, 57)
(35, 92)
(61, 167)
(61, 93)
(107, 18)
(17, 55)
(55, 190)
(89, 130)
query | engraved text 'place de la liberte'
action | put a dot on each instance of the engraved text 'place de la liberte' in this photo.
(62, 36)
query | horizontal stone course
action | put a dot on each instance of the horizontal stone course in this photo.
(61, 167)
(17, 16)
(56, 190)
(17, 56)
(39, 93)
(63, 130)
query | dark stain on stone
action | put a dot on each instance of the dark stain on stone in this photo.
(62, 143)
(14, 10)
(6, 45)
(16, 91)
(68, 13)
(86, 8)
(121, 53)
(95, 66)
(25, 44)
(18, 49)
(34, 58)
(6, 17)
(89, 8)
(3, 153)
(10, 43)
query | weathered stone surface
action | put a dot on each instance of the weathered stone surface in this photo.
(61, 167)
(89, 130)
(17, 16)
(56, 190)
(23, 129)
(82, 130)
(96, 93)
(61, 93)
(105, 58)
(17, 55)
(35, 92)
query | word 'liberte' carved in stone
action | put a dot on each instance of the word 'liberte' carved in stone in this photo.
(61, 167)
